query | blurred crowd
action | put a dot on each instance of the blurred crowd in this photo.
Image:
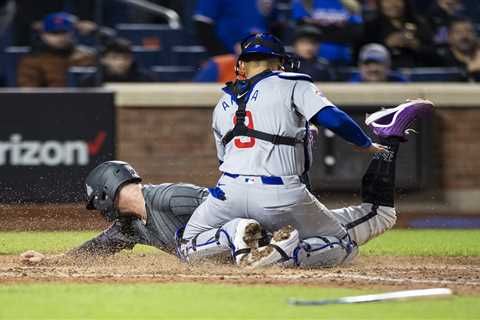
(335, 40)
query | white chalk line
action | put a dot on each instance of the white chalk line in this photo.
(409, 280)
(325, 276)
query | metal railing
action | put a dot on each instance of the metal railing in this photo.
(169, 14)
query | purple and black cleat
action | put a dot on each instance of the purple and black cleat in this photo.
(394, 122)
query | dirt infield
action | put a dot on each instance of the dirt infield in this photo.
(74, 217)
(462, 274)
(49, 217)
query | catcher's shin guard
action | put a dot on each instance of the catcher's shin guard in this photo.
(279, 251)
(236, 238)
(325, 252)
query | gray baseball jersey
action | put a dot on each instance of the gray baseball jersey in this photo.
(279, 104)
(168, 206)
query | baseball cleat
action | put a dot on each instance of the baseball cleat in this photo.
(280, 249)
(394, 122)
(248, 234)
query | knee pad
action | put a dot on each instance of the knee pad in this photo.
(217, 246)
(237, 237)
(325, 252)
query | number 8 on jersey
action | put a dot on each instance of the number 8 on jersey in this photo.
(245, 142)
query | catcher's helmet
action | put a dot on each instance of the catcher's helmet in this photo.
(261, 44)
(103, 183)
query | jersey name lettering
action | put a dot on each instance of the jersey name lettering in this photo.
(225, 105)
(255, 96)
(245, 142)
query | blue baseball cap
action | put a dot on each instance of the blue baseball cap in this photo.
(59, 22)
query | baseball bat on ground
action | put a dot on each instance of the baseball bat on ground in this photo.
(396, 295)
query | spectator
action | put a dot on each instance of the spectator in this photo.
(7, 12)
(440, 14)
(29, 15)
(48, 63)
(220, 68)
(339, 21)
(370, 7)
(406, 35)
(221, 23)
(374, 65)
(306, 45)
(463, 49)
(118, 65)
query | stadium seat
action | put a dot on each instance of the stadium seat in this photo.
(149, 57)
(413, 74)
(344, 74)
(76, 74)
(176, 45)
(12, 58)
(155, 36)
(188, 55)
(174, 73)
(433, 74)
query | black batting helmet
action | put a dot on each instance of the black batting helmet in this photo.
(103, 183)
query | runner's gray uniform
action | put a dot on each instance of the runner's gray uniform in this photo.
(168, 206)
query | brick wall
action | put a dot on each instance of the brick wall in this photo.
(168, 144)
(458, 150)
(176, 144)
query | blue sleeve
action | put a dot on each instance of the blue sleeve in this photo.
(208, 73)
(341, 124)
(298, 10)
(208, 8)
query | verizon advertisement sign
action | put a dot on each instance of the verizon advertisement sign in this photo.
(17, 152)
(49, 141)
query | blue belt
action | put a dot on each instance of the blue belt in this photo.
(265, 179)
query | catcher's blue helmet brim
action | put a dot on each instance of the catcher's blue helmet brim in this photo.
(260, 50)
(262, 43)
